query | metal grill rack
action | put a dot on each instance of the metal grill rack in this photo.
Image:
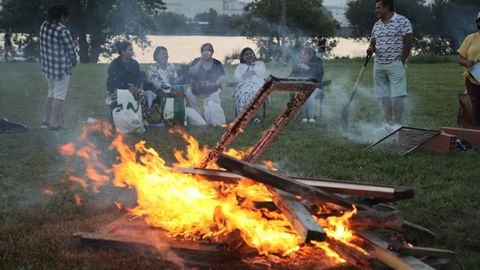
(404, 140)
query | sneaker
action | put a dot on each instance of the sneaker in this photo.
(396, 126)
(57, 128)
(304, 120)
(45, 124)
(312, 120)
(385, 128)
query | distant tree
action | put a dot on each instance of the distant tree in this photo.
(454, 19)
(92, 22)
(438, 27)
(216, 24)
(170, 23)
(306, 20)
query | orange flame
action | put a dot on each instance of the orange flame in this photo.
(189, 206)
(49, 191)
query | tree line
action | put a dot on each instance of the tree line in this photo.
(439, 27)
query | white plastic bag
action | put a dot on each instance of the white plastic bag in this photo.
(214, 114)
(194, 118)
(127, 117)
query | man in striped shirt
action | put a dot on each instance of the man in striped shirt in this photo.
(391, 41)
(57, 56)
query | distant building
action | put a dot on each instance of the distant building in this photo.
(338, 13)
(191, 8)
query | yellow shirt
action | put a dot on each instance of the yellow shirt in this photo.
(470, 49)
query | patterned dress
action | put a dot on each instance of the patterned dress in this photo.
(248, 86)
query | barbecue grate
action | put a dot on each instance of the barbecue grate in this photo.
(404, 140)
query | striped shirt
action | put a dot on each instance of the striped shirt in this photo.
(57, 50)
(389, 38)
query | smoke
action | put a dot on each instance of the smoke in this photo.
(365, 113)
(464, 18)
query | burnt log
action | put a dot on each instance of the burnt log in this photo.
(352, 255)
(422, 251)
(379, 249)
(136, 237)
(299, 217)
(382, 192)
(282, 182)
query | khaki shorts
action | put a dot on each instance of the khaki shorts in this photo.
(390, 79)
(58, 89)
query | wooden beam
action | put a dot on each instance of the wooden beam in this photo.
(136, 237)
(282, 182)
(303, 86)
(385, 192)
(350, 254)
(382, 192)
(299, 217)
(423, 252)
(378, 248)
(418, 231)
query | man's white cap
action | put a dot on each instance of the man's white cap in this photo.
(478, 16)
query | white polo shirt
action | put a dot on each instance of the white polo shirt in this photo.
(389, 38)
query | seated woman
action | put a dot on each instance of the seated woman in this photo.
(123, 73)
(163, 76)
(249, 76)
(207, 75)
(310, 66)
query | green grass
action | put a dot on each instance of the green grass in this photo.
(36, 230)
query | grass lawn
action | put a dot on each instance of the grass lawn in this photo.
(36, 229)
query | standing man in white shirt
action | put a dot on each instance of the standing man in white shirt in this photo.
(391, 41)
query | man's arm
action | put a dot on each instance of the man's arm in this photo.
(371, 47)
(407, 46)
(70, 46)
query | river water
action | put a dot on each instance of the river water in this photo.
(183, 49)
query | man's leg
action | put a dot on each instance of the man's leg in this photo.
(387, 109)
(398, 108)
(59, 93)
(398, 83)
(382, 89)
(57, 113)
(47, 110)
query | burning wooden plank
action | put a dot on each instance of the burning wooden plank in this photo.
(281, 182)
(422, 251)
(382, 192)
(380, 251)
(135, 236)
(301, 220)
(352, 255)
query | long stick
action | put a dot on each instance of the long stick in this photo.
(354, 91)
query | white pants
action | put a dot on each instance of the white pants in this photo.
(390, 79)
(213, 112)
(57, 89)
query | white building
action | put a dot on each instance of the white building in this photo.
(190, 8)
